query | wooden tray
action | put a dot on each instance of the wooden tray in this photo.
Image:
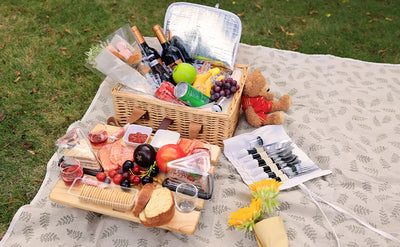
(182, 222)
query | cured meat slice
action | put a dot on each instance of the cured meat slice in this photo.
(104, 157)
(119, 154)
(114, 155)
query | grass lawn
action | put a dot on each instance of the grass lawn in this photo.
(44, 86)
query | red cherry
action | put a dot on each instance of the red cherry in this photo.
(136, 180)
(136, 170)
(112, 173)
(101, 176)
(117, 179)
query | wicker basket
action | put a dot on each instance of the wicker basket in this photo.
(216, 127)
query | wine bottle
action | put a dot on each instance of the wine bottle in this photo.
(145, 48)
(171, 55)
(157, 70)
(178, 42)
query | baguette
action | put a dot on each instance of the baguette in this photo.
(143, 198)
(160, 209)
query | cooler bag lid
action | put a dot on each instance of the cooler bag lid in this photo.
(207, 32)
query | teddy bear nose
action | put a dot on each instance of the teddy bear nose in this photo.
(268, 90)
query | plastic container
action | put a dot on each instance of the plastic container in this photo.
(183, 174)
(200, 161)
(163, 137)
(89, 190)
(134, 128)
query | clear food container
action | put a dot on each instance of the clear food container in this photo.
(139, 131)
(89, 190)
(182, 174)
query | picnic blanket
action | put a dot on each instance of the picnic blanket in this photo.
(345, 116)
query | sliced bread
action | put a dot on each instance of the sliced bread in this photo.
(143, 198)
(160, 209)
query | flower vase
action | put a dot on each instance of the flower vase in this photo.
(271, 233)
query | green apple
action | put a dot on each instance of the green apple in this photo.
(184, 72)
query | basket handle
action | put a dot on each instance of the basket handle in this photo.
(137, 114)
(194, 130)
(165, 123)
(113, 121)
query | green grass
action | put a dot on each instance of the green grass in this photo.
(44, 86)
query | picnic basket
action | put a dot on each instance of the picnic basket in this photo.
(215, 126)
(219, 43)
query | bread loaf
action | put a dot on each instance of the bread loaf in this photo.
(160, 209)
(143, 198)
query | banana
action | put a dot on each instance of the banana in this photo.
(203, 83)
(200, 80)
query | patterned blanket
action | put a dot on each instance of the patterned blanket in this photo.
(345, 116)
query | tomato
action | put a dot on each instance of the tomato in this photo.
(166, 154)
(101, 176)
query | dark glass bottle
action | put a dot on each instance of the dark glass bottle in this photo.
(157, 70)
(171, 55)
(177, 42)
(145, 48)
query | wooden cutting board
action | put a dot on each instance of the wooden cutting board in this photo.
(185, 223)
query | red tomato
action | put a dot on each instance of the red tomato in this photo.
(101, 176)
(166, 154)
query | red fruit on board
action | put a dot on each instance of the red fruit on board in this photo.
(168, 153)
(101, 176)
(117, 179)
(112, 173)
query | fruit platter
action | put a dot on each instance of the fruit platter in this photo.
(137, 181)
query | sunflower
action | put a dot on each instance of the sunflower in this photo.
(246, 217)
(267, 190)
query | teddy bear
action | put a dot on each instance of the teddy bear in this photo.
(258, 104)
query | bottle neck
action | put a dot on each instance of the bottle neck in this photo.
(139, 36)
(160, 36)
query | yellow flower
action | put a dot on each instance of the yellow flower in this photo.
(267, 190)
(246, 217)
(266, 184)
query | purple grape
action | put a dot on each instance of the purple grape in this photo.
(212, 97)
(237, 86)
(229, 80)
(212, 92)
(213, 87)
(218, 83)
(227, 92)
(234, 83)
(217, 95)
(217, 89)
(222, 93)
(233, 89)
(107, 180)
(227, 85)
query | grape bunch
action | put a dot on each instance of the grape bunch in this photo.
(224, 88)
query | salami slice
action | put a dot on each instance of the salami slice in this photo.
(104, 157)
(113, 155)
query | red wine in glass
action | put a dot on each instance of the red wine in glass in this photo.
(70, 173)
(98, 138)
